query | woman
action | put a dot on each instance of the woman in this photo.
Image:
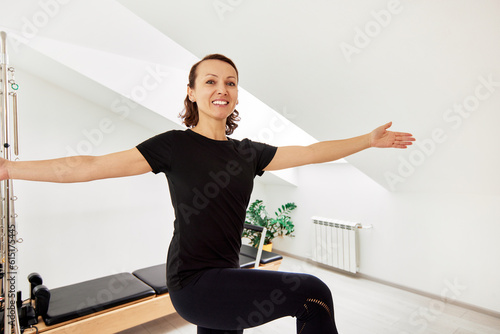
(210, 177)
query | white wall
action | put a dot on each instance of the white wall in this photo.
(423, 241)
(74, 232)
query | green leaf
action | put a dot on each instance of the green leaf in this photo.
(280, 225)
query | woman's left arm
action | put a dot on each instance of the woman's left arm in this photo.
(293, 156)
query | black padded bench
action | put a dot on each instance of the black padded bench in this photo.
(155, 277)
(81, 299)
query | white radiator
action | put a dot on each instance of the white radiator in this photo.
(335, 243)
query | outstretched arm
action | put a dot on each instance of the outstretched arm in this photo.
(293, 156)
(77, 169)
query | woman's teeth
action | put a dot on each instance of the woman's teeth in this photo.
(220, 102)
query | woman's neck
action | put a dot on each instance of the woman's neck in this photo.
(212, 132)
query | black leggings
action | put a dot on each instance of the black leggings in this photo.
(226, 301)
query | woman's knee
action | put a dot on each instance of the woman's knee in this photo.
(317, 301)
(315, 288)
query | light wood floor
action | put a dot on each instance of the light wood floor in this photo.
(361, 307)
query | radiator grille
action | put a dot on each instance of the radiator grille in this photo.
(335, 243)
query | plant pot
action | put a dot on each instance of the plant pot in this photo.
(268, 247)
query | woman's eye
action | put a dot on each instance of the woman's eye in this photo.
(210, 82)
(231, 84)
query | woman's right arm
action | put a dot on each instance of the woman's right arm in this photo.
(78, 168)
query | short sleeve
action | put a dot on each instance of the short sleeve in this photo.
(158, 151)
(264, 155)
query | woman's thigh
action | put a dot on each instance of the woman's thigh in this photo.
(231, 299)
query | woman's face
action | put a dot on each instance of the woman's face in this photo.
(215, 90)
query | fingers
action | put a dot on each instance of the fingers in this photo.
(403, 134)
(404, 138)
(387, 126)
(402, 143)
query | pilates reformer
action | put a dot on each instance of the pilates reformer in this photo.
(117, 302)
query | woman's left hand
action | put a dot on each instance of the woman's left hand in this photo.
(380, 137)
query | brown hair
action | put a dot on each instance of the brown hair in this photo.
(190, 114)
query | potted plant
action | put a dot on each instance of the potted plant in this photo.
(279, 225)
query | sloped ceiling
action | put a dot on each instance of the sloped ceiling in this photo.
(335, 69)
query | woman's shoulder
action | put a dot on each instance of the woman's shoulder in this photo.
(173, 133)
(170, 135)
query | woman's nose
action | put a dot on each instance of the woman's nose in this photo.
(221, 89)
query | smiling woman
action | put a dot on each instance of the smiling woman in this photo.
(213, 81)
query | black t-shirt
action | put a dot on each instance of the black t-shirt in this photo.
(210, 184)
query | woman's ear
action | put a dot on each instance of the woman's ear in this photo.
(190, 93)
